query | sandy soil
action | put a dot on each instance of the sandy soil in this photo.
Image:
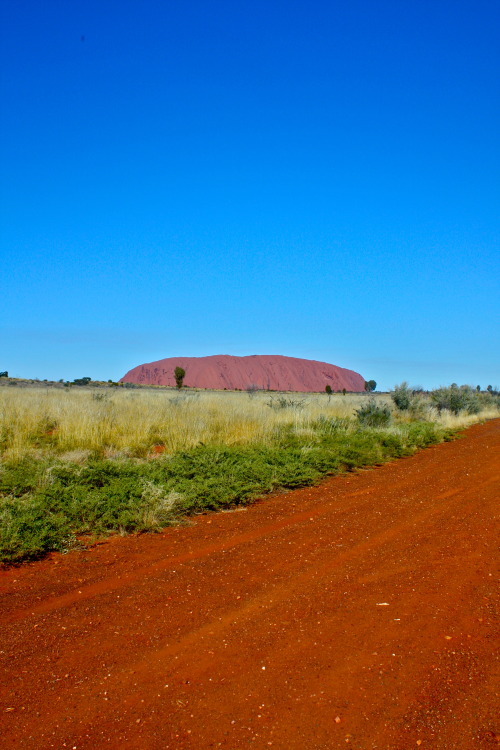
(360, 613)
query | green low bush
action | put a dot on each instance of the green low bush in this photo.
(402, 396)
(373, 415)
(44, 505)
(457, 399)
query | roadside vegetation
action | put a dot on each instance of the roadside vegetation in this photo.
(90, 461)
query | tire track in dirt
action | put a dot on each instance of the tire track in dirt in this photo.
(139, 674)
(110, 585)
(120, 582)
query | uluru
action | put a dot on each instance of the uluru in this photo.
(266, 372)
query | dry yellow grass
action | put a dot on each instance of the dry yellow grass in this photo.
(131, 422)
(73, 423)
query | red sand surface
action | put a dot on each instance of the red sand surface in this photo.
(360, 613)
(269, 372)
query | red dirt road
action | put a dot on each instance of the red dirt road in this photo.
(360, 613)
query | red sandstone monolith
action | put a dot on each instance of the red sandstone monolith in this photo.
(261, 371)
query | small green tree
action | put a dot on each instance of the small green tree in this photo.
(328, 389)
(370, 385)
(179, 374)
(4, 374)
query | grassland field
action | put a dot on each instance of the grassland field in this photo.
(93, 461)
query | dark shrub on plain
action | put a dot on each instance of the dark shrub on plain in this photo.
(372, 415)
(456, 399)
(402, 396)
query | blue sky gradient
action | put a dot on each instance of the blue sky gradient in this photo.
(315, 179)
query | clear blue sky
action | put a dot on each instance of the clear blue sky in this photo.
(311, 178)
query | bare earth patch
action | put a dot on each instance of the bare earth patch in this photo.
(360, 613)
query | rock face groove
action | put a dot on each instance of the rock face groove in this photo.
(267, 372)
